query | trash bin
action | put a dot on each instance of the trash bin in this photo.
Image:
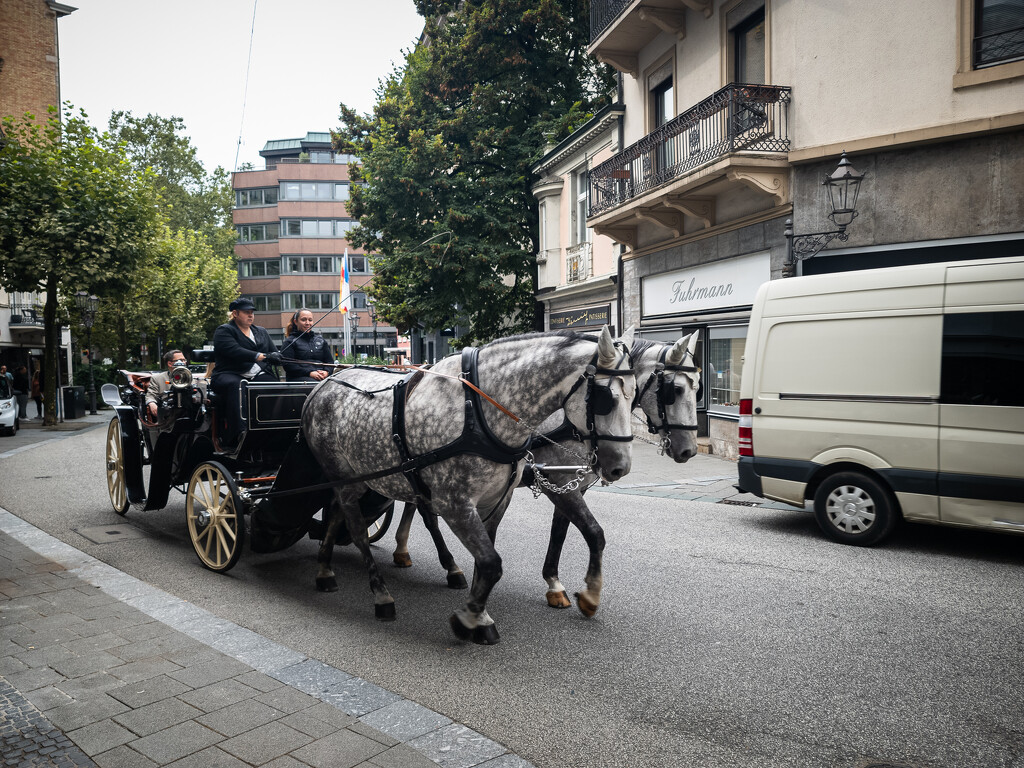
(74, 402)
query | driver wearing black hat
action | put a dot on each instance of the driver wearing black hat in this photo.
(241, 350)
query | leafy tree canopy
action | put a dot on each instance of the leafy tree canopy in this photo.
(447, 159)
(74, 215)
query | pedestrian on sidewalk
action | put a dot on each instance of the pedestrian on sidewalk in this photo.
(21, 390)
(37, 393)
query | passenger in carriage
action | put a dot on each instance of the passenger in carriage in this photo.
(305, 345)
(161, 382)
(241, 350)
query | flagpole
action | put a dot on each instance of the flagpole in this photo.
(345, 303)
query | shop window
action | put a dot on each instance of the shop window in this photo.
(724, 368)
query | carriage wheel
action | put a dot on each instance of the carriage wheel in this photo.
(375, 531)
(116, 485)
(213, 513)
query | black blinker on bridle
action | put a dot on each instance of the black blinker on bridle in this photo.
(600, 400)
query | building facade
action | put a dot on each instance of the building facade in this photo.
(735, 110)
(577, 271)
(29, 82)
(292, 222)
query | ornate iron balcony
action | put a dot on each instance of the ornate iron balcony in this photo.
(603, 13)
(738, 118)
(578, 264)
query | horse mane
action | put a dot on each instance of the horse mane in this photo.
(640, 346)
(568, 338)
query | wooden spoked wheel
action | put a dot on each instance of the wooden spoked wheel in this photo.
(116, 485)
(213, 513)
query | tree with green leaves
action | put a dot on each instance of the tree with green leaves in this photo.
(74, 215)
(446, 159)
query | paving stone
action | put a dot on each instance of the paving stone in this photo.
(143, 669)
(28, 738)
(98, 661)
(219, 695)
(147, 691)
(269, 742)
(330, 715)
(101, 642)
(401, 756)
(156, 646)
(189, 657)
(100, 737)
(343, 749)
(239, 718)
(31, 679)
(31, 640)
(286, 761)
(286, 699)
(212, 757)
(507, 760)
(123, 757)
(259, 681)
(312, 676)
(309, 725)
(176, 742)
(146, 631)
(9, 665)
(268, 656)
(208, 672)
(157, 716)
(372, 733)
(405, 720)
(357, 696)
(456, 746)
(46, 657)
(78, 714)
(48, 698)
(82, 687)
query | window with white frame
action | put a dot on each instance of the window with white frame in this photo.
(259, 267)
(580, 233)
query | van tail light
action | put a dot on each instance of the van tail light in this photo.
(746, 431)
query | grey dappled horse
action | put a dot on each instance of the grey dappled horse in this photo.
(667, 383)
(351, 433)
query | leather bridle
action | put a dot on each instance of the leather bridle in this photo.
(664, 385)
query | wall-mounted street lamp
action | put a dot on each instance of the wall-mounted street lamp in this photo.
(88, 305)
(843, 186)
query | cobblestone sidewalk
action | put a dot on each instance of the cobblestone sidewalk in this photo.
(99, 668)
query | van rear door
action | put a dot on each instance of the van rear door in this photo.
(981, 412)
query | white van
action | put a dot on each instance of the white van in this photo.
(888, 394)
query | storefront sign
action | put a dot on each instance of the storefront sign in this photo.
(581, 318)
(729, 283)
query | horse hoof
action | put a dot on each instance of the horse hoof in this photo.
(558, 599)
(384, 611)
(485, 635)
(403, 560)
(457, 581)
(587, 606)
(461, 630)
(326, 584)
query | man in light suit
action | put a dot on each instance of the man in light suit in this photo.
(241, 350)
(161, 382)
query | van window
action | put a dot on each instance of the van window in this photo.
(983, 358)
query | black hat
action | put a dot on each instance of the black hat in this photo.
(242, 303)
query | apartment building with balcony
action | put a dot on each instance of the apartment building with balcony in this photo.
(292, 221)
(735, 111)
(29, 82)
(577, 271)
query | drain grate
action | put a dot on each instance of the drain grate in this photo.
(738, 503)
(105, 534)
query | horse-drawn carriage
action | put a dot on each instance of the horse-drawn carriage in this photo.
(228, 492)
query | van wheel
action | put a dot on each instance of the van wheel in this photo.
(852, 508)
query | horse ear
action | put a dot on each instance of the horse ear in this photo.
(627, 337)
(678, 350)
(605, 349)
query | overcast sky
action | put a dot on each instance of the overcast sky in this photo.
(187, 58)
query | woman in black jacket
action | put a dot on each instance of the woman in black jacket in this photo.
(303, 345)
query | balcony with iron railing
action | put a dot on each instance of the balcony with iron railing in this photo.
(619, 29)
(579, 264)
(733, 134)
(26, 312)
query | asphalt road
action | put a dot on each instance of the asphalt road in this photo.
(728, 636)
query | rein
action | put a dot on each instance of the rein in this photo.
(658, 375)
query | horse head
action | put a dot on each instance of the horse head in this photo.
(668, 394)
(600, 404)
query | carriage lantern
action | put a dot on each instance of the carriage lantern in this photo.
(842, 186)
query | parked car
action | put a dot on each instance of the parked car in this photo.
(889, 394)
(9, 423)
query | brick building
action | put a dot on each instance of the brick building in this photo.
(29, 82)
(292, 220)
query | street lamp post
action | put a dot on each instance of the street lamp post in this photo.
(87, 305)
(355, 334)
(373, 319)
(843, 186)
